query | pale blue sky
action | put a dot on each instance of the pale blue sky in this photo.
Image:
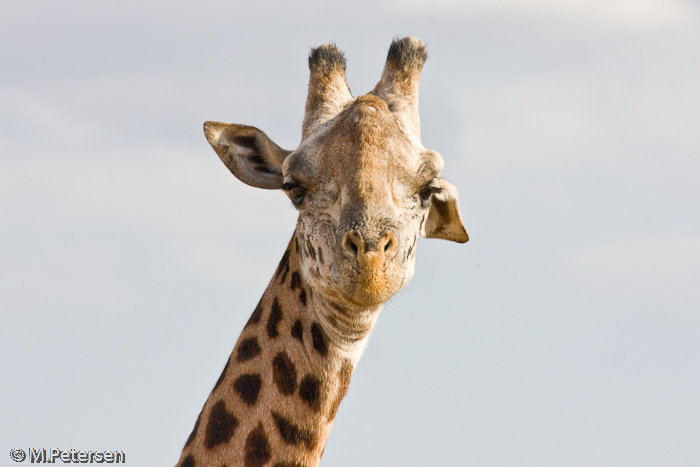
(565, 333)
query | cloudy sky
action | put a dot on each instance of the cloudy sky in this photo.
(565, 333)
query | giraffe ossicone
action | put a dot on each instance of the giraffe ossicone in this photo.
(365, 188)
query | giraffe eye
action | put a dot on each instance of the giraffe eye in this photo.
(296, 192)
(427, 192)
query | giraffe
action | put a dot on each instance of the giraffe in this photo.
(364, 187)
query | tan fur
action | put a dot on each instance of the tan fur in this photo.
(365, 187)
(307, 361)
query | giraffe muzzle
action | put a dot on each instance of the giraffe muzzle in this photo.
(372, 260)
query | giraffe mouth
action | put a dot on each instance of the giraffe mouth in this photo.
(359, 298)
(372, 284)
(369, 283)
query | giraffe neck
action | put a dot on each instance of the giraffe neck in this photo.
(278, 395)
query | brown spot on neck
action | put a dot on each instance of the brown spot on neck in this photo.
(284, 373)
(319, 339)
(220, 427)
(344, 375)
(257, 448)
(248, 387)
(292, 434)
(274, 319)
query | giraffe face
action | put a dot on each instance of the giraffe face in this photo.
(362, 182)
(362, 188)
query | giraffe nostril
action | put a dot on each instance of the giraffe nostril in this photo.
(352, 243)
(388, 245)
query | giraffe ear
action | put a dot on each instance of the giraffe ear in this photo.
(443, 219)
(248, 153)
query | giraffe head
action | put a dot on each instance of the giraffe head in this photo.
(363, 183)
